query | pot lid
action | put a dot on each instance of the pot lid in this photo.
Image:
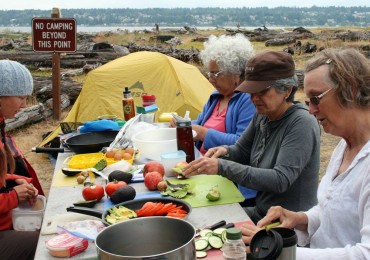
(266, 244)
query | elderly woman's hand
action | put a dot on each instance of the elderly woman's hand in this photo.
(25, 191)
(216, 152)
(287, 218)
(202, 165)
(201, 132)
(248, 231)
(173, 122)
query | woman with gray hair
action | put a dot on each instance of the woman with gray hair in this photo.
(279, 153)
(226, 113)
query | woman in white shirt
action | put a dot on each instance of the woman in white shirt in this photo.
(337, 82)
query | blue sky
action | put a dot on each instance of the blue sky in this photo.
(69, 4)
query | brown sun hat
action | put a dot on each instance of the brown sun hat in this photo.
(265, 68)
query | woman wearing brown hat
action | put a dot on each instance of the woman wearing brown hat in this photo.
(337, 82)
(15, 85)
(279, 153)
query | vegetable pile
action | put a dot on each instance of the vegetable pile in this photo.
(161, 209)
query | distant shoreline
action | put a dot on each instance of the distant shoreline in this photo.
(96, 29)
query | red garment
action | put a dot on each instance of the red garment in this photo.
(216, 121)
(8, 201)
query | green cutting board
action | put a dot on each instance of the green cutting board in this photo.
(201, 184)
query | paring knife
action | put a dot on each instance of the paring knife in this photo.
(212, 227)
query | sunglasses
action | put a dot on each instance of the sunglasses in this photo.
(315, 100)
(213, 75)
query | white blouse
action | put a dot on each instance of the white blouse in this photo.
(339, 226)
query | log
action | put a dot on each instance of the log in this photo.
(34, 114)
(43, 88)
(77, 59)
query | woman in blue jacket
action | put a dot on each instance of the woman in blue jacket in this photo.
(226, 114)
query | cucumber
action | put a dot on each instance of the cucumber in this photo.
(205, 233)
(215, 242)
(201, 244)
(218, 231)
(201, 254)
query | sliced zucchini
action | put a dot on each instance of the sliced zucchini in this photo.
(223, 236)
(218, 231)
(215, 242)
(205, 233)
(201, 254)
(201, 244)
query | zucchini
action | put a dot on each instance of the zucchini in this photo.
(215, 242)
(205, 233)
(223, 236)
(201, 254)
(218, 231)
(201, 244)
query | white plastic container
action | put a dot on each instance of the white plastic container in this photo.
(152, 143)
(169, 160)
(27, 217)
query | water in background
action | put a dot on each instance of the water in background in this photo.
(96, 29)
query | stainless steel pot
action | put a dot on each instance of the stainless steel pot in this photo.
(151, 238)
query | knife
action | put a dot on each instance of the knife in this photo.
(212, 227)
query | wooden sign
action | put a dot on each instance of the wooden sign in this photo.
(54, 35)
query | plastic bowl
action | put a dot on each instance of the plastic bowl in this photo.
(152, 143)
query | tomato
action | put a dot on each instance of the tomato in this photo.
(93, 192)
(112, 186)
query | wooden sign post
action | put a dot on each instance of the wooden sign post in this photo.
(54, 35)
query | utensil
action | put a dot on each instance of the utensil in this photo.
(83, 143)
(212, 227)
(131, 204)
(154, 238)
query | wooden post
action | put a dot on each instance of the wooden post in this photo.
(56, 75)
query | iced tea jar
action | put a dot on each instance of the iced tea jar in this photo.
(185, 142)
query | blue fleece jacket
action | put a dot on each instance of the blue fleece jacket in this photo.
(239, 113)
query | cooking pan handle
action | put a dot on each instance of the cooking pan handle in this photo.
(86, 211)
(47, 150)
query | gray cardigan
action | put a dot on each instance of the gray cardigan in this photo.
(280, 159)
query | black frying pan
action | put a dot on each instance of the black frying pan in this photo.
(131, 204)
(84, 143)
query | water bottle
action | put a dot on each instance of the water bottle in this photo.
(234, 247)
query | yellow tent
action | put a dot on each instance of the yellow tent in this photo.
(178, 87)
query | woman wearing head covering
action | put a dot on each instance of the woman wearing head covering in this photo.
(337, 83)
(279, 153)
(226, 113)
(15, 85)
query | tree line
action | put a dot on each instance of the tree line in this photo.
(245, 17)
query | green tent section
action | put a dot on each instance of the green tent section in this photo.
(178, 87)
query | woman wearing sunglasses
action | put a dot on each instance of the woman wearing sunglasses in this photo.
(278, 154)
(337, 82)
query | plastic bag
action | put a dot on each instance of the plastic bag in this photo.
(87, 229)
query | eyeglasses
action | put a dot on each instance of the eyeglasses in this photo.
(315, 100)
(213, 75)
